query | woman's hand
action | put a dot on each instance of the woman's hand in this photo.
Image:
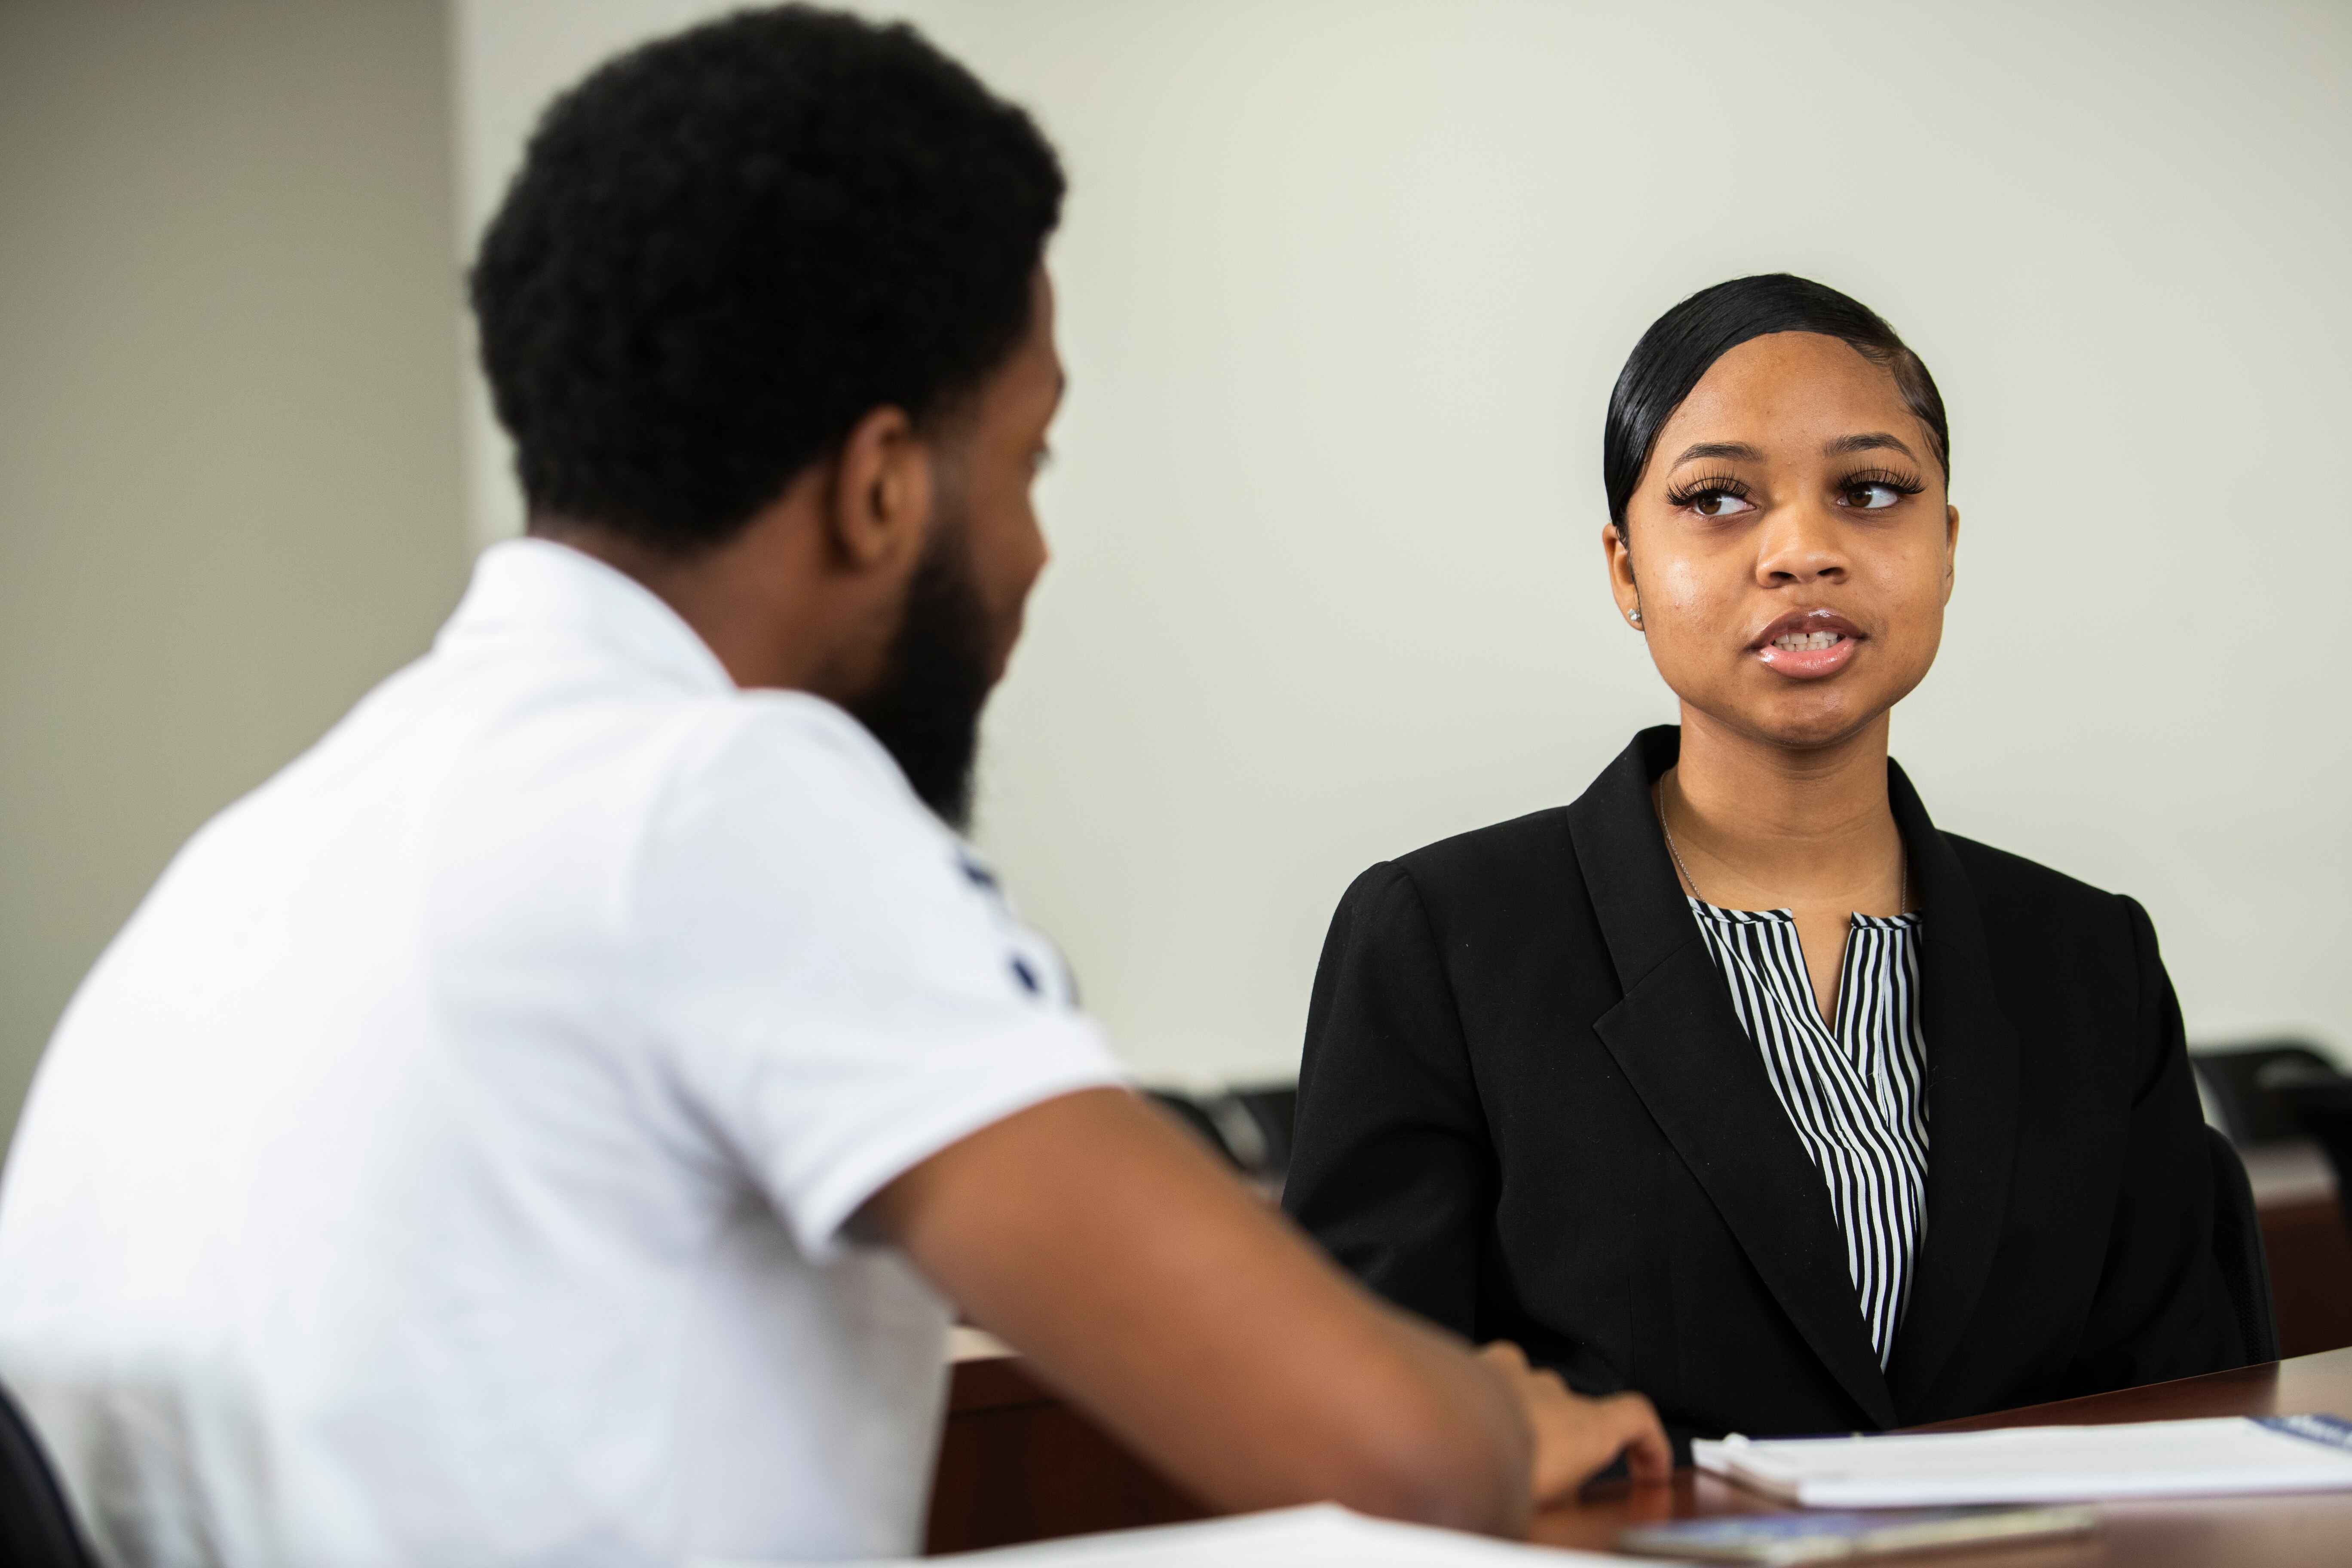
(1576, 1437)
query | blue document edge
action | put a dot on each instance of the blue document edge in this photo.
(2329, 1431)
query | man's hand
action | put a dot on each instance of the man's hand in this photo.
(1577, 1437)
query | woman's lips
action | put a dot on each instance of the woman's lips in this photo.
(1808, 645)
(1808, 661)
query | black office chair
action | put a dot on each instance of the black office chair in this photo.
(1197, 1119)
(36, 1527)
(1249, 1126)
(1273, 1105)
(2324, 1106)
(2246, 1086)
(2238, 1247)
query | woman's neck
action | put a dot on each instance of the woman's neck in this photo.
(1765, 826)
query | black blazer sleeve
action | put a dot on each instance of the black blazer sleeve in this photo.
(2161, 1310)
(1393, 1171)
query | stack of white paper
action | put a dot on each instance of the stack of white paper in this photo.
(2045, 1464)
(1323, 1535)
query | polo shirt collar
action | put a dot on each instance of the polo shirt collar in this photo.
(537, 588)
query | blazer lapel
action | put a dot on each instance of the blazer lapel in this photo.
(1681, 1047)
(1972, 1090)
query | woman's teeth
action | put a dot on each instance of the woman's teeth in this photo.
(1802, 642)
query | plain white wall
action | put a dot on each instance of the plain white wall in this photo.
(1344, 286)
(230, 492)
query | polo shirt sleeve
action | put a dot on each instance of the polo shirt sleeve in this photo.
(830, 978)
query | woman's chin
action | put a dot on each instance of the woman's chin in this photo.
(1810, 720)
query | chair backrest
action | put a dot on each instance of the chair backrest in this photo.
(1274, 1107)
(36, 1527)
(2238, 1247)
(2246, 1086)
(1196, 1117)
(1250, 1127)
(2324, 1107)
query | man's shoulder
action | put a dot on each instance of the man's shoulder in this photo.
(785, 763)
(801, 735)
(589, 768)
(783, 815)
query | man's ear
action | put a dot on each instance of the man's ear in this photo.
(880, 511)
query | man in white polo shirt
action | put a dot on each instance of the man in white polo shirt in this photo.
(549, 1121)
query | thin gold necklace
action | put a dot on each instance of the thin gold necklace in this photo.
(1690, 883)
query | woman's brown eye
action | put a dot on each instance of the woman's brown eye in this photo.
(1717, 503)
(1873, 498)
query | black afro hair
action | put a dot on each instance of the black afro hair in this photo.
(726, 247)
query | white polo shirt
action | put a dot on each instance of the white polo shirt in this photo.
(447, 1163)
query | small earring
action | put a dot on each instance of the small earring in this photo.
(1634, 617)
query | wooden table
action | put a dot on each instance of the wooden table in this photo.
(1019, 1465)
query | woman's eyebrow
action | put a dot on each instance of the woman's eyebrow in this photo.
(1739, 451)
(1870, 441)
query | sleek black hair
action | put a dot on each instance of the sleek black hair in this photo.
(1682, 345)
(726, 247)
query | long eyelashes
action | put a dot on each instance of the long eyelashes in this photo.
(1700, 486)
(1894, 480)
(1706, 485)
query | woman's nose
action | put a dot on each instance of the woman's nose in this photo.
(1800, 544)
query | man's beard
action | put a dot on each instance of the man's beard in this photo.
(926, 709)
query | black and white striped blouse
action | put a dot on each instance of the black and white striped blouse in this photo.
(1854, 1092)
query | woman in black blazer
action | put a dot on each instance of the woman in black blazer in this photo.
(1737, 1081)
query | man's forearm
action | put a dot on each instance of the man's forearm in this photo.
(1155, 1293)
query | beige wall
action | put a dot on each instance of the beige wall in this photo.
(229, 482)
(1345, 285)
